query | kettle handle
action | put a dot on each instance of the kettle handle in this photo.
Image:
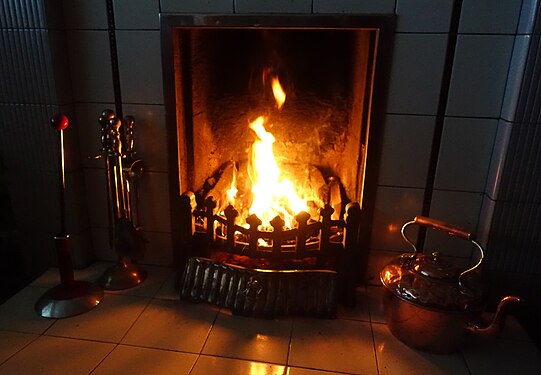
(449, 229)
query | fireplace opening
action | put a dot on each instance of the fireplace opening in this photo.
(274, 129)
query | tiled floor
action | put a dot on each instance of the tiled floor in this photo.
(147, 330)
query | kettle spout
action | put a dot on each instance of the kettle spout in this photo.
(498, 321)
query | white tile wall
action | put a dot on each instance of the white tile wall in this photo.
(465, 153)
(406, 150)
(150, 135)
(460, 209)
(489, 17)
(394, 207)
(85, 14)
(424, 16)
(196, 6)
(416, 73)
(140, 65)
(476, 91)
(277, 6)
(90, 66)
(354, 6)
(137, 14)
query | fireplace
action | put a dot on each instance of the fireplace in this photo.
(463, 125)
(304, 92)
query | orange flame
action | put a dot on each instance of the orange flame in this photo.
(278, 91)
(272, 196)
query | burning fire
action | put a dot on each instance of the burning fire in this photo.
(273, 195)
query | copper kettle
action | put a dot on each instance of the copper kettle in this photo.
(430, 303)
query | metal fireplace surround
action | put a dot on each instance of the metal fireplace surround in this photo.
(341, 243)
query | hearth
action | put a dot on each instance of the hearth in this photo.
(283, 107)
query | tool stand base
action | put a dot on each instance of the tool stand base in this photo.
(122, 276)
(69, 299)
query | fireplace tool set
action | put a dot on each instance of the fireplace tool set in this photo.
(72, 297)
(124, 236)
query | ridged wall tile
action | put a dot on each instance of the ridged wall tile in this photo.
(526, 20)
(515, 77)
(22, 14)
(25, 75)
(497, 160)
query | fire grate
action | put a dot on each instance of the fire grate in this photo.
(277, 290)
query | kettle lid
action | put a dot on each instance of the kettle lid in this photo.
(431, 282)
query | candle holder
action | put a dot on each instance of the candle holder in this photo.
(71, 297)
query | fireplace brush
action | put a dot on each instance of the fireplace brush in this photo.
(124, 237)
(70, 297)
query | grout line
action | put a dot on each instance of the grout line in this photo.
(103, 359)
(465, 362)
(374, 348)
(123, 336)
(21, 349)
(290, 339)
(210, 330)
(246, 360)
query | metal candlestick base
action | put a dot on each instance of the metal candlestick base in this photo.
(122, 275)
(69, 299)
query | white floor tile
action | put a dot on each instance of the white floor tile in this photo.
(168, 290)
(375, 303)
(18, 314)
(333, 345)
(249, 338)
(54, 355)
(206, 365)
(109, 321)
(12, 342)
(394, 357)
(143, 361)
(304, 371)
(172, 325)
